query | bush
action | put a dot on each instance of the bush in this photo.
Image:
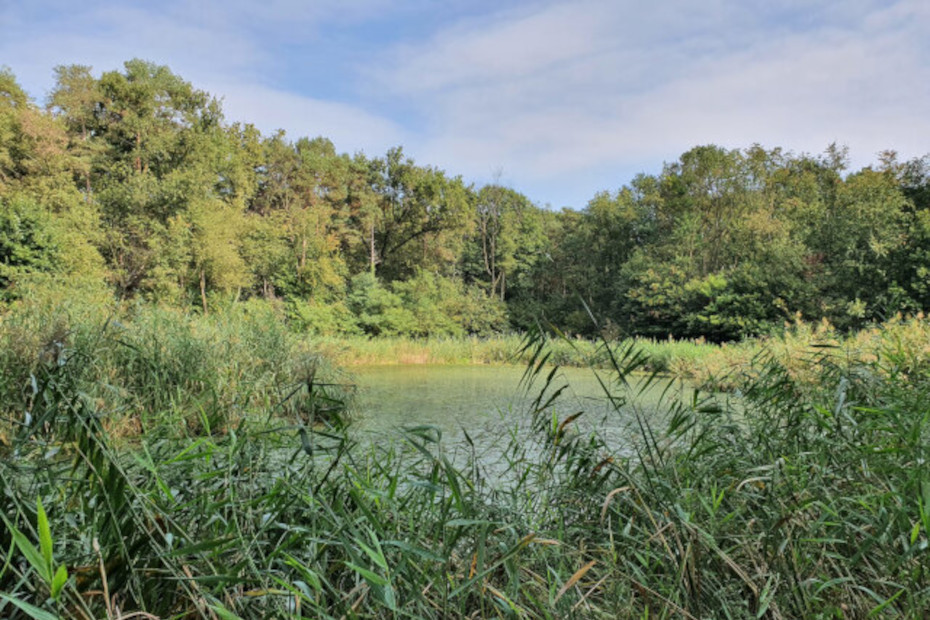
(321, 319)
(425, 305)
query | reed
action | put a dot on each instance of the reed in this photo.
(663, 355)
(801, 499)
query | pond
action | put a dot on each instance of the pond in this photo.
(489, 404)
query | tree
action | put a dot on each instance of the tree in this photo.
(13, 101)
(721, 248)
(868, 224)
(75, 99)
(33, 154)
(423, 217)
(303, 189)
(165, 161)
(505, 232)
(217, 232)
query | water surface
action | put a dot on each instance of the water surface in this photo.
(489, 404)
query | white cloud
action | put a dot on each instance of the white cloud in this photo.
(104, 37)
(505, 50)
(231, 40)
(350, 128)
(580, 86)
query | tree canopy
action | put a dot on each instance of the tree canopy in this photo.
(134, 180)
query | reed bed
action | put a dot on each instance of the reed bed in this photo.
(802, 500)
(662, 355)
(894, 347)
(146, 366)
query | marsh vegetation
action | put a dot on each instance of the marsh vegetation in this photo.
(246, 497)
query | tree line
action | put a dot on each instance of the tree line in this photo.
(132, 182)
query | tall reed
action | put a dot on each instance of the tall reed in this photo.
(801, 499)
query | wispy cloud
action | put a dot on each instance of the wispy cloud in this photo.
(105, 36)
(351, 129)
(587, 85)
(222, 47)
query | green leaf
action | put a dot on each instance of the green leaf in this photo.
(452, 477)
(28, 550)
(377, 556)
(304, 570)
(206, 545)
(59, 581)
(469, 522)
(389, 597)
(223, 613)
(30, 610)
(9, 558)
(45, 537)
(370, 577)
(407, 547)
(877, 610)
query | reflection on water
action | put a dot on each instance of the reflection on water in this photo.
(488, 403)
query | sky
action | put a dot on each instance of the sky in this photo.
(557, 99)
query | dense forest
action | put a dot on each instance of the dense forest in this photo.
(132, 185)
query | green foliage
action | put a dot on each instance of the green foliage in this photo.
(153, 366)
(507, 237)
(378, 310)
(807, 498)
(422, 216)
(425, 305)
(137, 182)
(321, 318)
(27, 241)
(445, 306)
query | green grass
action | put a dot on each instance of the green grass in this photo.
(245, 497)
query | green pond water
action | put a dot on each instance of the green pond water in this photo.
(489, 404)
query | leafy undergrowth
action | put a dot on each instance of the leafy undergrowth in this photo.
(802, 500)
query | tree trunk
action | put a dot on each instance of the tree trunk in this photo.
(86, 174)
(371, 250)
(203, 290)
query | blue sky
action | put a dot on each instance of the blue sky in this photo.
(557, 99)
